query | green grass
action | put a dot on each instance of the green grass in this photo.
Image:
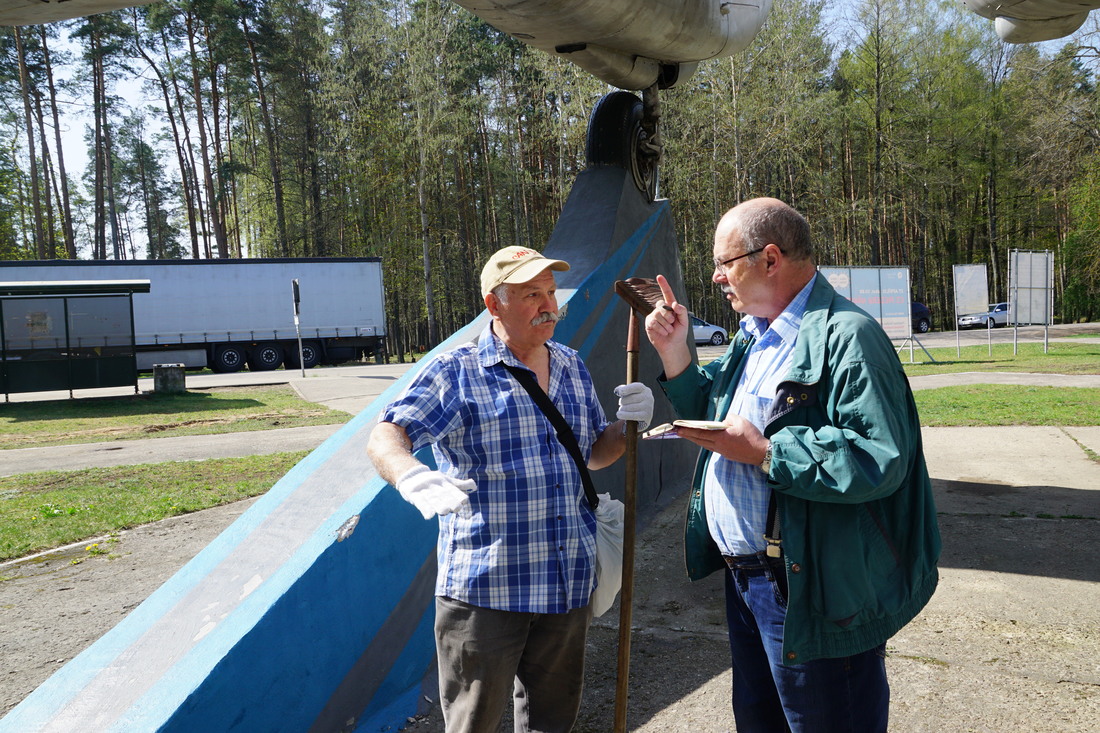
(1062, 358)
(196, 412)
(1005, 404)
(54, 508)
(50, 509)
(1002, 404)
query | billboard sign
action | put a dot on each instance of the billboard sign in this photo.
(881, 291)
(971, 289)
(1031, 287)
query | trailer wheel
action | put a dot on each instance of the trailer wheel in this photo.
(311, 354)
(265, 357)
(228, 358)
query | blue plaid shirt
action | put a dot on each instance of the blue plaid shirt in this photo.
(528, 542)
(737, 494)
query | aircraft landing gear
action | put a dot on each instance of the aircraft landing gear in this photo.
(623, 132)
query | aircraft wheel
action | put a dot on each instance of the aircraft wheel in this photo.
(615, 137)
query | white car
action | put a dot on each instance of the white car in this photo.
(997, 316)
(708, 333)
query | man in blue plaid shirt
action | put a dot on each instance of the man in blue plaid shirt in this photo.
(517, 538)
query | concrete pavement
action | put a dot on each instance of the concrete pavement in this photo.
(351, 389)
(348, 389)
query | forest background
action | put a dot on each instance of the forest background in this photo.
(906, 132)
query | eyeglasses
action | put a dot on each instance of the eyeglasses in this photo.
(723, 266)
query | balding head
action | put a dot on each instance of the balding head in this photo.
(763, 221)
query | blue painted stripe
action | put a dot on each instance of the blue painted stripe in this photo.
(621, 264)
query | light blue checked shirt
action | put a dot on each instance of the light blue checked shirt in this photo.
(737, 494)
(528, 542)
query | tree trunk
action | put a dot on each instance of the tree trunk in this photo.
(63, 176)
(221, 192)
(48, 178)
(269, 138)
(112, 208)
(182, 141)
(36, 203)
(99, 245)
(204, 148)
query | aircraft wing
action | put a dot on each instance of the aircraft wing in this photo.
(33, 12)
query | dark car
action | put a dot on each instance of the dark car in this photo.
(922, 318)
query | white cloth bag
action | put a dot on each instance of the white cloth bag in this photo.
(609, 553)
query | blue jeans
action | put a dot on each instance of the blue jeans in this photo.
(842, 695)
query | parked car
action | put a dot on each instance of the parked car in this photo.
(997, 316)
(922, 317)
(708, 333)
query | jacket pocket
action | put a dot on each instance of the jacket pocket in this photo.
(857, 574)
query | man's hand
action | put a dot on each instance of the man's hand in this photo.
(667, 329)
(635, 403)
(433, 492)
(741, 441)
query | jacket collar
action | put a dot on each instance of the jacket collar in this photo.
(807, 361)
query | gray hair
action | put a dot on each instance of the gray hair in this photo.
(777, 224)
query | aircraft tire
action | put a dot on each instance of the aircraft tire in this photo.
(614, 135)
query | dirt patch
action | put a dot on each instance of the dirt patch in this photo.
(54, 605)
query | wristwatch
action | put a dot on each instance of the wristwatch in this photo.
(766, 464)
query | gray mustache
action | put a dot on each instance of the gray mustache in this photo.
(546, 316)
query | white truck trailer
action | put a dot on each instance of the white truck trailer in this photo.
(228, 313)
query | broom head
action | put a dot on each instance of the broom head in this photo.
(641, 293)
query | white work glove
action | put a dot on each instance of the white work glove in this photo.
(635, 403)
(433, 492)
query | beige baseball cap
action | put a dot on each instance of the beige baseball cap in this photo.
(515, 265)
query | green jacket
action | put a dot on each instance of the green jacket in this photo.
(857, 517)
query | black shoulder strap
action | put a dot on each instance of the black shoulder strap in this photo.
(565, 434)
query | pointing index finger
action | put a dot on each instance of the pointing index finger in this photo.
(666, 290)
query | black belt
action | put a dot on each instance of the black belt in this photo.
(755, 561)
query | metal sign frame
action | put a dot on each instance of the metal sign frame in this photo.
(1031, 284)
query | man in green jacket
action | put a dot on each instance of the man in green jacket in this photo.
(815, 498)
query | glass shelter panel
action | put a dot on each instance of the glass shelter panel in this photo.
(34, 329)
(67, 342)
(100, 327)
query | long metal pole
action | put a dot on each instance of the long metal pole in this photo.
(297, 325)
(622, 680)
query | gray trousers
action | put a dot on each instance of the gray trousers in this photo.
(484, 653)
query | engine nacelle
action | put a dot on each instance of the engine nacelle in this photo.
(1033, 21)
(630, 44)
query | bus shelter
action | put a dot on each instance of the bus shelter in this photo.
(67, 335)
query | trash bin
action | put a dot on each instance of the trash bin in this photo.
(168, 379)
